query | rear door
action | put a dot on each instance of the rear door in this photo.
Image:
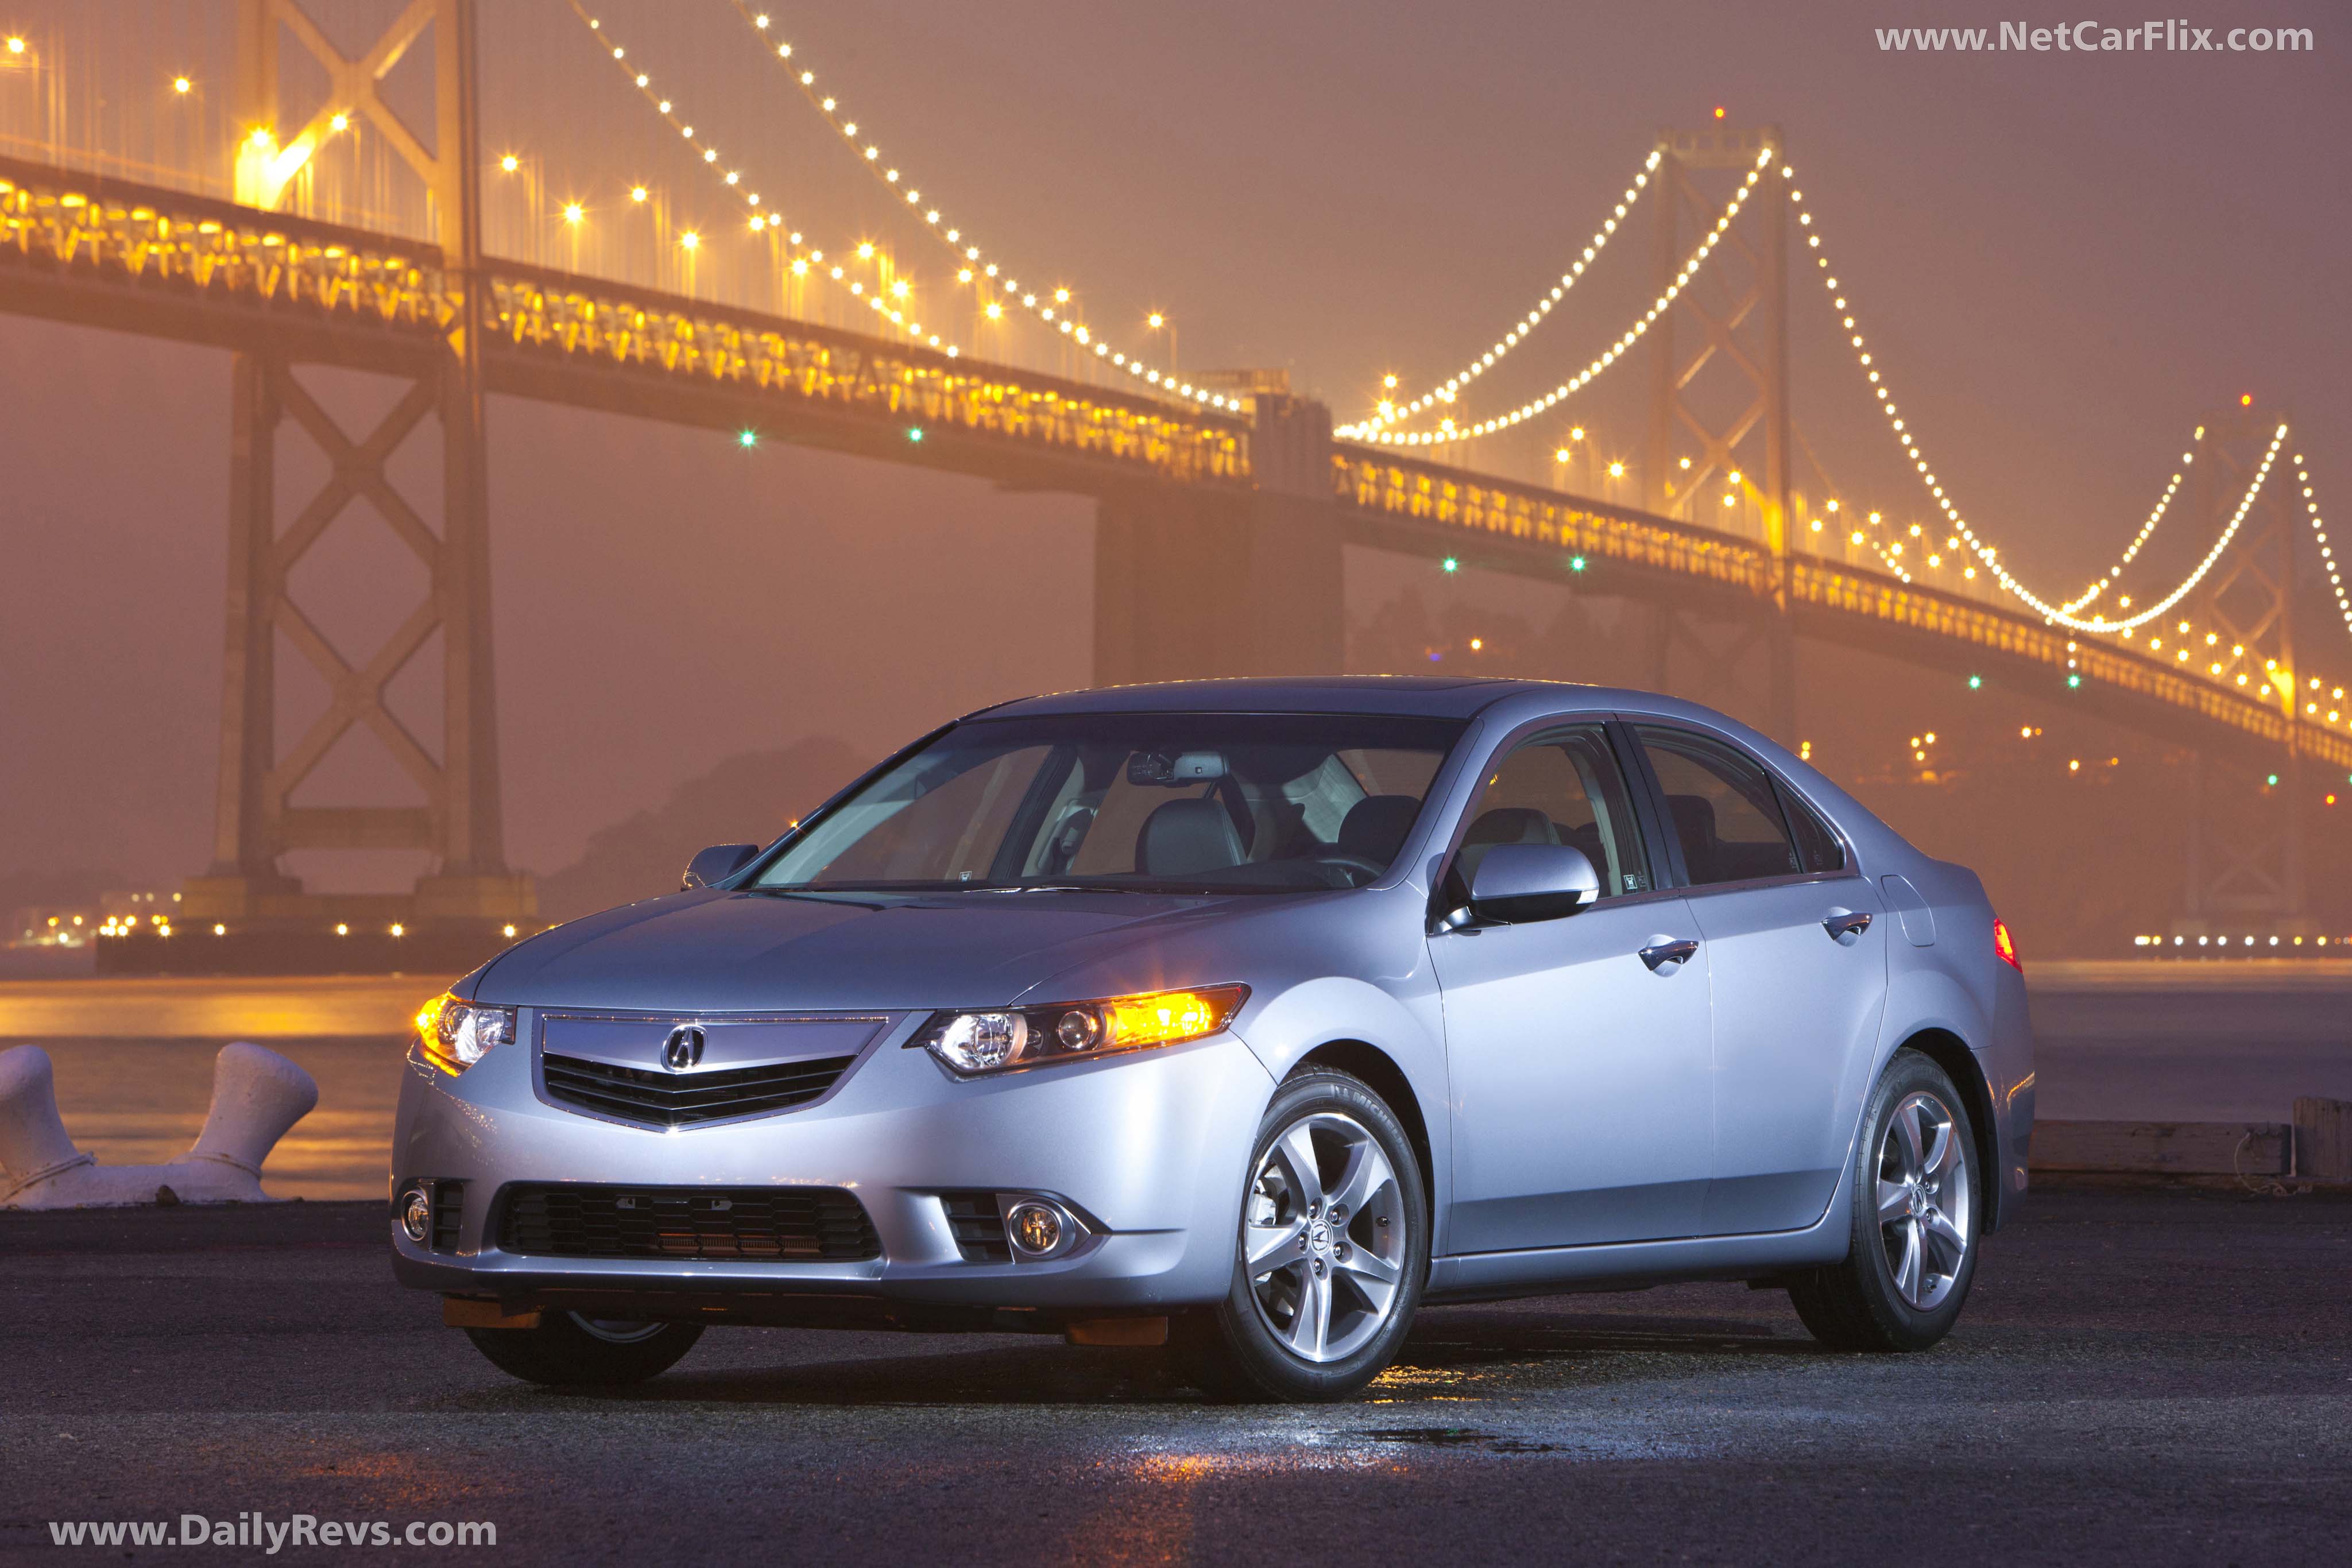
(1578, 1069)
(1796, 949)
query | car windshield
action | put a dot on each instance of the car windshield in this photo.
(1144, 802)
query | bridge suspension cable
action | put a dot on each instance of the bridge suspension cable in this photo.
(1449, 431)
(1984, 552)
(1391, 410)
(800, 260)
(1051, 308)
(2319, 533)
(2139, 542)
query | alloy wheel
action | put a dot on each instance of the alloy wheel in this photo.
(1926, 1218)
(1323, 1238)
(617, 1331)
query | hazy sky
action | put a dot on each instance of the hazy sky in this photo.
(2065, 261)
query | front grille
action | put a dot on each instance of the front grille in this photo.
(979, 1226)
(684, 1098)
(805, 1224)
(449, 1210)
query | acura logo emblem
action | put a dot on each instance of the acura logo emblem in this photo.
(683, 1049)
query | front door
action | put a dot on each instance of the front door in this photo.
(1796, 949)
(1579, 1070)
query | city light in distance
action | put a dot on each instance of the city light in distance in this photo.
(181, 84)
(509, 163)
(573, 212)
(747, 438)
(636, 193)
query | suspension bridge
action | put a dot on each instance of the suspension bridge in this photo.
(1223, 501)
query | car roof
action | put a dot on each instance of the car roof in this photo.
(1429, 697)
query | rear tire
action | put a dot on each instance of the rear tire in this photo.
(569, 1350)
(1918, 1211)
(1330, 1257)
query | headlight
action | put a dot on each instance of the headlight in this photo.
(1029, 1036)
(454, 1033)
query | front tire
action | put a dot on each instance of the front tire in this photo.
(1331, 1254)
(570, 1350)
(1918, 1208)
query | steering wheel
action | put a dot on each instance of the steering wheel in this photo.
(1364, 863)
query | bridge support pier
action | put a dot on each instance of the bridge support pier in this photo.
(1747, 667)
(1194, 583)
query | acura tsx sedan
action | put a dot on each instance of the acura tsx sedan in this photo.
(1242, 1017)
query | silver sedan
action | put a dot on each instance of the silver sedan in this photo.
(1242, 1018)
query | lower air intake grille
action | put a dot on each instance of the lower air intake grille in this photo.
(979, 1227)
(683, 1098)
(815, 1224)
(449, 1209)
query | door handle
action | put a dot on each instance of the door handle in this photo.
(1658, 955)
(1841, 926)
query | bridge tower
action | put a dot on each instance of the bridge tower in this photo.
(258, 821)
(1719, 397)
(2245, 841)
(1194, 583)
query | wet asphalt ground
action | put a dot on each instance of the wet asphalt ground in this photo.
(2140, 1378)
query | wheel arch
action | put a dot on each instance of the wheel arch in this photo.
(1378, 1070)
(1950, 1052)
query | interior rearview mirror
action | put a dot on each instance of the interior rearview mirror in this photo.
(1168, 770)
(1533, 882)
(716, 864)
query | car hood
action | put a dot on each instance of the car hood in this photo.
(715, 951)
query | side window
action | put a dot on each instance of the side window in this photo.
(1722, 808)
(1815, 843)
(1562, 787)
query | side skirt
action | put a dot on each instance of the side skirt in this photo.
(1631, 1265)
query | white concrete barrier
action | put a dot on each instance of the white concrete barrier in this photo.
(258, 1094)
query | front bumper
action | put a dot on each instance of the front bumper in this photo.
(1148, 1149)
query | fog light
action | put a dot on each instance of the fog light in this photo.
(416, 1214)
(1035, 1228)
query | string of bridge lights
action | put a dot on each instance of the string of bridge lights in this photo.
(2139, 541)
(800, 260)
(1448, 431)
(1984, 552)
(2123, 627)
(1052, 307)
(1391, 410)
(2319, 533)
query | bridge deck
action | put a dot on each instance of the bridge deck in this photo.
(110, 253)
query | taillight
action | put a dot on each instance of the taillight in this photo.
(2004, 946)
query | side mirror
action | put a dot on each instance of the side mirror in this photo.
(716, 864)
(1533, 882)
